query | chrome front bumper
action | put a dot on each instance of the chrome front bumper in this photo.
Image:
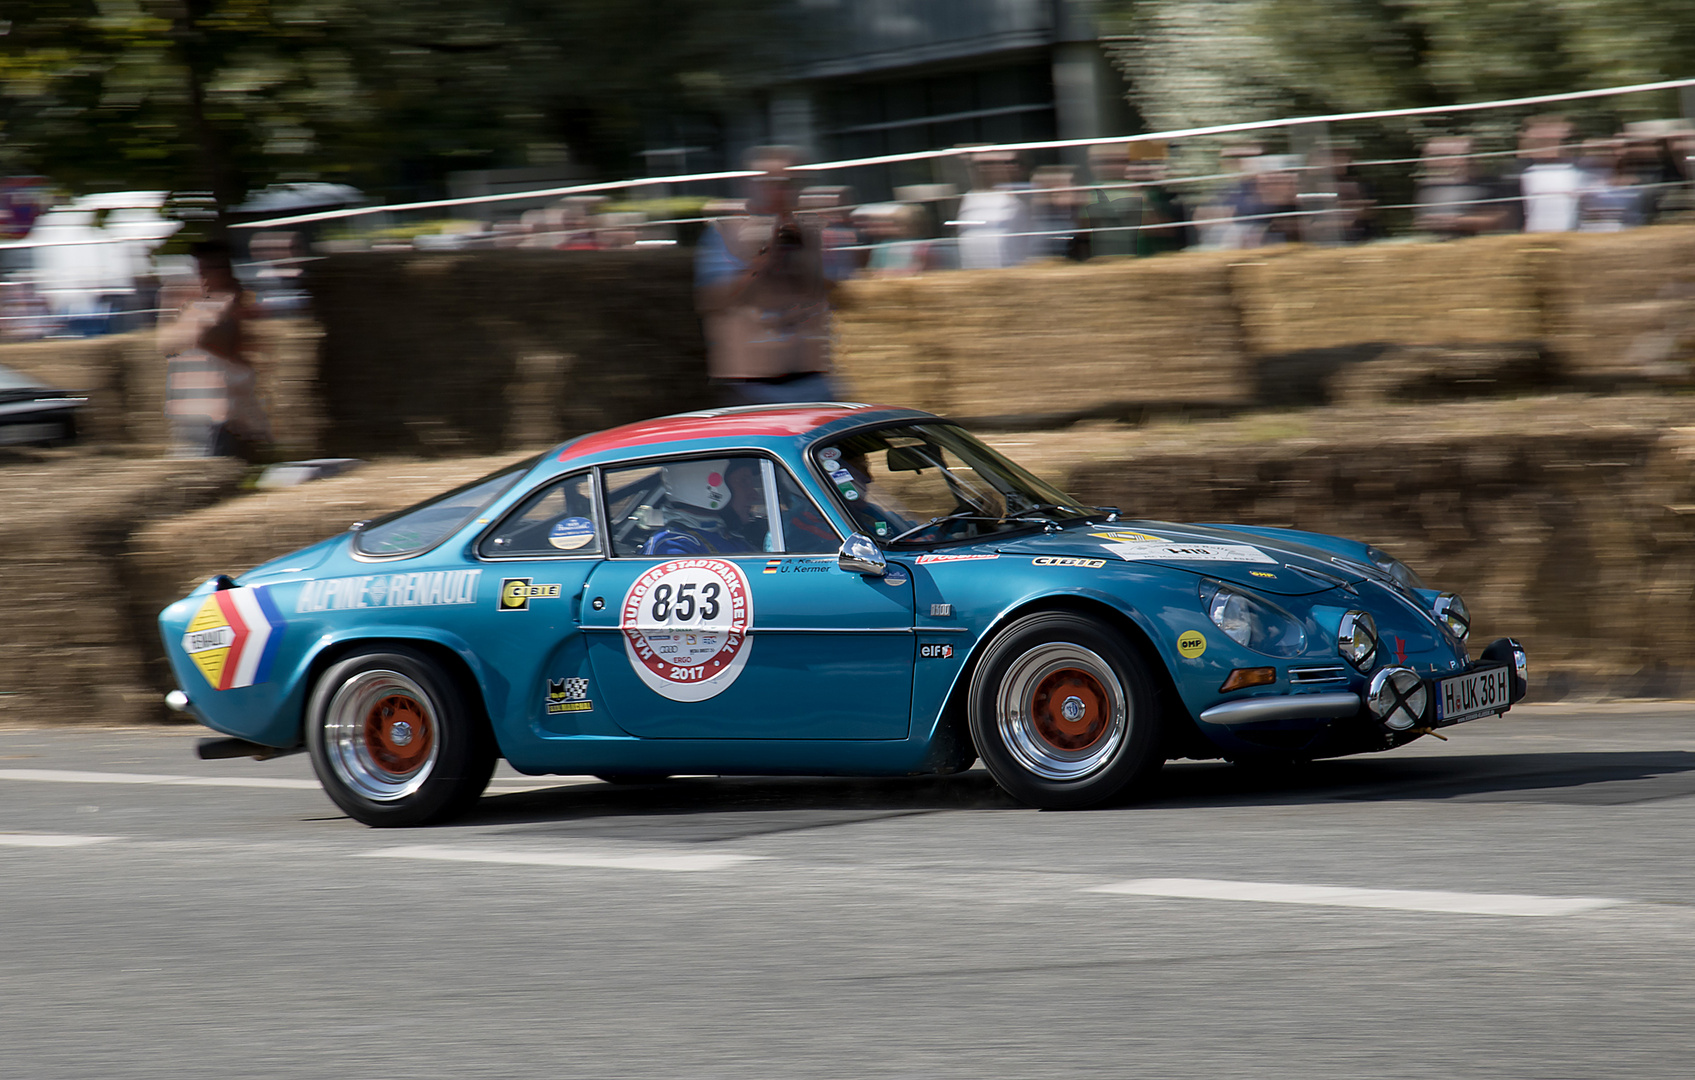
(1335, 705)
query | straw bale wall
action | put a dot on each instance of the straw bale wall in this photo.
(1622, 306)
(78, 647)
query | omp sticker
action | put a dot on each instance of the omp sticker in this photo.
(922, 559)
(686, 625)
(1191, 643)
(1126, 537)
(234, 636)
(568, 696)
(517, 592)
(429, 588)
(1053, 560)
(569, 534)
(1165, 551)
(935, 652)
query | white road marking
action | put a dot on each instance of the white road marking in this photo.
(1332, 896)
(516, 857)
(72, 776)
(14, 839)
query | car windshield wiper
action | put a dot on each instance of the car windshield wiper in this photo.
(1046, 510)
(963, 515)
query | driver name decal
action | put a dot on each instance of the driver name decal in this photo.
(685, 625)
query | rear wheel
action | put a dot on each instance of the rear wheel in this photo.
(396, 741)
(1064, 714)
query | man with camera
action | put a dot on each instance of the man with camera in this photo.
(764, 296)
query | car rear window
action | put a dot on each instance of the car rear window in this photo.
(429, 523)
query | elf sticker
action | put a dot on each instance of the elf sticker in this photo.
(685, 625)
(234, 636)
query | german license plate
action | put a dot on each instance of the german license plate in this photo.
(1466, 697)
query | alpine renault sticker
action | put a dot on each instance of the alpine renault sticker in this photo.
(1165, 551)
(429, 588)
(685, 625)
(234, 636)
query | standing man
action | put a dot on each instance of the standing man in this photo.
(211, 387)
(764, 295)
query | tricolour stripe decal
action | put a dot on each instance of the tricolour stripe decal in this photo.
(259, 634)
(232, 615)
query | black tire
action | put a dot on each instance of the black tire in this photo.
(1065, 714)
(396, 740)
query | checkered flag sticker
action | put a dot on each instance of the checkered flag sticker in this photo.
(567, 689)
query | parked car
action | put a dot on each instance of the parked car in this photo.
(33, 412)
(822, 589)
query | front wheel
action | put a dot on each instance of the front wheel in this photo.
(1064, 714)
(396, 741)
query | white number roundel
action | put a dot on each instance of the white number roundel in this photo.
(685, 626)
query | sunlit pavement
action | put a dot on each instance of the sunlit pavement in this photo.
(1518, 901)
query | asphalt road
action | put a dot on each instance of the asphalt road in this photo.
(1517, 902)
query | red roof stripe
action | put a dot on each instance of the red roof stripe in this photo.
(728, 425)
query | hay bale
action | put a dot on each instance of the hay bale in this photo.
(1621, 306)
(1050, 340)
(77, 648)
(1483, 290)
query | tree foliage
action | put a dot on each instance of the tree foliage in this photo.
(231, 94)
(1209, 61)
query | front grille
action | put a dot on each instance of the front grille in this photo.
(1307, 676)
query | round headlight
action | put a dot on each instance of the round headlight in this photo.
(1451, 612)
(1397, 697)
(1252, 622)
(1356, 639)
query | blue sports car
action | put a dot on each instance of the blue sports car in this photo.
(816, 589)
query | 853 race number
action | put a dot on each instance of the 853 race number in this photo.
(685, 625)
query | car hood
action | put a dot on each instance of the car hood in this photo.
(1259, 560)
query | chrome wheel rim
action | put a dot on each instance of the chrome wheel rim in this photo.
(1061, 712)
(382, 735)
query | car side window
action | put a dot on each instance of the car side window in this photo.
(558, 519)
(710, 506)
(806, 531)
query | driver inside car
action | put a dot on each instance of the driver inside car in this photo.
(711, 509)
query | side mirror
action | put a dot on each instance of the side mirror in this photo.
(861, 555)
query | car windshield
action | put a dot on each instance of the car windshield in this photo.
(923, 483)
(429, 523)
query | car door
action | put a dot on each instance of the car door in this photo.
(542, 552)
(750, 631)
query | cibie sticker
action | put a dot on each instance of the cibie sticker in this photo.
(685, 626)
(1165, 551)
(234, 636)
(1191, 643)
(517, 592)
(1056, 560)
(569, 534)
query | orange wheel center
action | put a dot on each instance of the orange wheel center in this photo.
(397, 734)
(1070, 709)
